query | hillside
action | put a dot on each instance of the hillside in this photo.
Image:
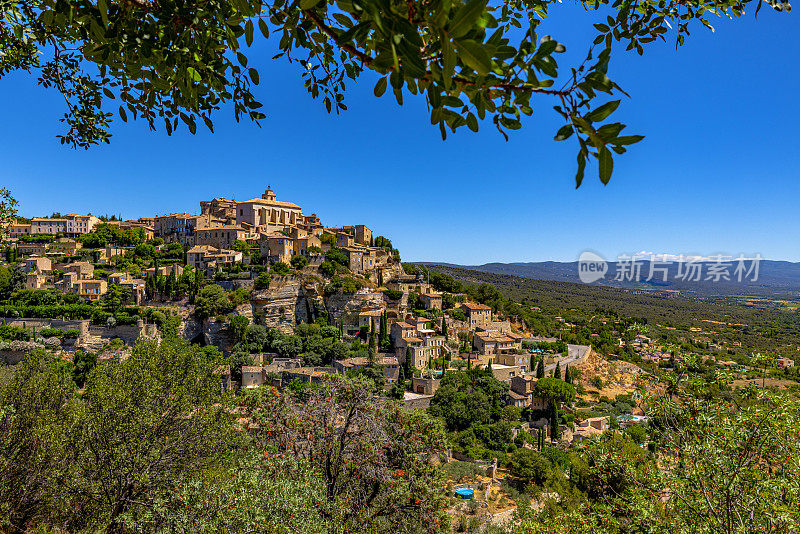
(755, 327)
(778, 279)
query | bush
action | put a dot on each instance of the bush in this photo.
(327, 268)
(298, 262)
(262, 281)
(14, 333)
(597, 382)
(457, 470)
(279, 268)
(51, 332)
(347, 285)
(393, 295)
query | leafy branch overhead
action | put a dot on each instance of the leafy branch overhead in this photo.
(175, 62)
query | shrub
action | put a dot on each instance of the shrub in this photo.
(279, 268)
(457, 470)
(327, 268)
(262, 281)
(14, 333)
(597, 382)
(393, 295)
(51, 332)
(298, 262)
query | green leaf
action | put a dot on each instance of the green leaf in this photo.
(262, 25)
(581, 168)
(308, 4)
(564, 132)
(253, 75)
(603, 111)
(380, 87)
(466, 17)
(448, 62)
(193, 74)
(599, 26)
(472, 122)
(122, 114)
(606, 164)
(474, 56)
(248, 32)
(627, 140)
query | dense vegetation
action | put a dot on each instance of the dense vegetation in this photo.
(755, 329)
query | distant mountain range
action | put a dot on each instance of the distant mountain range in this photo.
(775, 278)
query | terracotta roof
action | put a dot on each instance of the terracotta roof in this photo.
(471, 306)
(202, 248)
(271, 203)
(371, 313)
(251, 369)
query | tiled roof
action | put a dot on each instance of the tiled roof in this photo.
(272, 203)
(472, 306)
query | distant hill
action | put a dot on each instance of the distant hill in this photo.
(775, 278)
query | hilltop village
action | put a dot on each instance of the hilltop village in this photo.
(502, 396)
(99, 285)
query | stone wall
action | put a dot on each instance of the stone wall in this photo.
(43, 322)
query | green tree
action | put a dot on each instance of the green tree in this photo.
(82, 364)
(540, 369)
(530, 466)
(241, 246)
(557, 373)
(115, 298)
(37, 403)
(554, 391)
(372, 453)
(298, 262)
(147, 421)
(262, 280)
(238, 327)
(8, 208)
(212, 300)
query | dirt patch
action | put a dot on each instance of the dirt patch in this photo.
(618, 377)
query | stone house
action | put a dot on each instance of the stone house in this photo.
(431, 300)
(78, 225)
(425, 385)
(221, 237)
(371, 319)
(42, 225)
(90, 289)
(478, 315)
(363, 235)
(38, 264)
(277, 247)
(35, 280)
(252, 376)
(203, 256)
(83, 269)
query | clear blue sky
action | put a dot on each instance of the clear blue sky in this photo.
(719, 171)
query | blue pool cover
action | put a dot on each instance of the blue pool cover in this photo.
(465, 493)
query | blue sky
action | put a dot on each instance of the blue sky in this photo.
(719, 171)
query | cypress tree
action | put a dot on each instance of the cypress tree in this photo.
(557, 373)
(540, 369)
(444, 329)
(567, 375)
(553, 421)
